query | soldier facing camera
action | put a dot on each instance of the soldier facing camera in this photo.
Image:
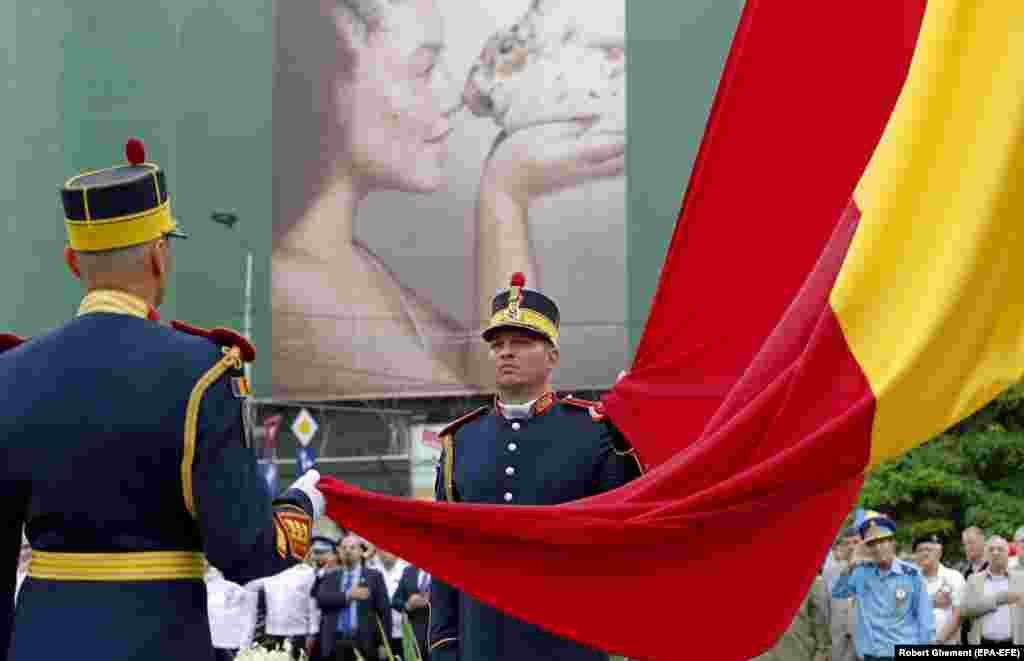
(525, 438)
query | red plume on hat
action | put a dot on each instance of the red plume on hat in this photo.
(135, 151)
(515, 293)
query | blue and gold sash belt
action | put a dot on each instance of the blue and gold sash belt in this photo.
(138, 566)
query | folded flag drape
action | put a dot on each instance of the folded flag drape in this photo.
(824, 306)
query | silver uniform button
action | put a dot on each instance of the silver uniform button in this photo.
(515, 426)
(510, 471)
(508, 497)
(512, 447)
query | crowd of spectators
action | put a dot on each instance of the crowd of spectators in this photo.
(871, 595)
(352, 597)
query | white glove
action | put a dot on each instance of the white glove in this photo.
(307, 485)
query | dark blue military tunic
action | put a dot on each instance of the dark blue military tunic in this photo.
(94, 460)
(561, 453)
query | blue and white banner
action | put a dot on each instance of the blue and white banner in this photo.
(269, 472)
(306, 458)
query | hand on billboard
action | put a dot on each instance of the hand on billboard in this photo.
(545, 159)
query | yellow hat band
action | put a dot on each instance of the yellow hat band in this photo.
(120, 232)
(528, 319)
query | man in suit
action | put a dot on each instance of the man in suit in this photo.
(993, 599)
(123, 450)
(355, 607)
(973, 539)
(413, 598)
(531, 449)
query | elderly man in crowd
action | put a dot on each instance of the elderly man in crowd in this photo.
(841, 613)
(993, 599)
(945, 587)
(973, 539)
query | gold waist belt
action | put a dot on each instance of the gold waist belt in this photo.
(139, 566)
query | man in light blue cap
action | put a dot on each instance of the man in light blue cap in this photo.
(893, 607)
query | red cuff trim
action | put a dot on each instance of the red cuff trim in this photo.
(9, 341)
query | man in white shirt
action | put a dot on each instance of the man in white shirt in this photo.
(232, 612)
(289, 605)
(392, 567)
(994, 599)
(945, 587)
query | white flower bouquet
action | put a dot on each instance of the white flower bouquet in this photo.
(259, 653)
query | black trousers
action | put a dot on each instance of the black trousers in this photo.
(344, 650)
(996, 643)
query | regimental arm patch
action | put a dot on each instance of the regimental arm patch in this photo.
(294, 532)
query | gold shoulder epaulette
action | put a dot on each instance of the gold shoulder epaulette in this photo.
(453, 426)
(447, 437)
(237, 351)
(223, 337)
(9, 341)
(596, 409)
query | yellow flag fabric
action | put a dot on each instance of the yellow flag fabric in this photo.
(931, 296)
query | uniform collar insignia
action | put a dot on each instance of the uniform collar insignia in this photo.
(539, 406)
(544, 403)
(117, 302)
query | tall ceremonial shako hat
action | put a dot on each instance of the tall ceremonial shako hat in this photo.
(519, 307)
(118, 207)
(876, 526)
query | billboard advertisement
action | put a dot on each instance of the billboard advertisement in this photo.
(425, 150)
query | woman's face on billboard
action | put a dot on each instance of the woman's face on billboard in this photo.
(396, 104)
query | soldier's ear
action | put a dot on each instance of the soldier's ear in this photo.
(71, 259)
(553, 357)
(159, 258)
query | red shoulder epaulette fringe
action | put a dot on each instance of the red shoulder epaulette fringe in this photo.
(455, 424)
(9, 341)
(596, 409)
(224, 337)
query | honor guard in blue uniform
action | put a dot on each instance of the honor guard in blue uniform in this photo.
(530, 448)
(123, 451)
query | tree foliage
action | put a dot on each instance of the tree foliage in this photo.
(970, 475)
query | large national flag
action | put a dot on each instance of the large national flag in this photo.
(813, 319)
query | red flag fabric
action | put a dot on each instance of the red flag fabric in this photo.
(742, 388)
